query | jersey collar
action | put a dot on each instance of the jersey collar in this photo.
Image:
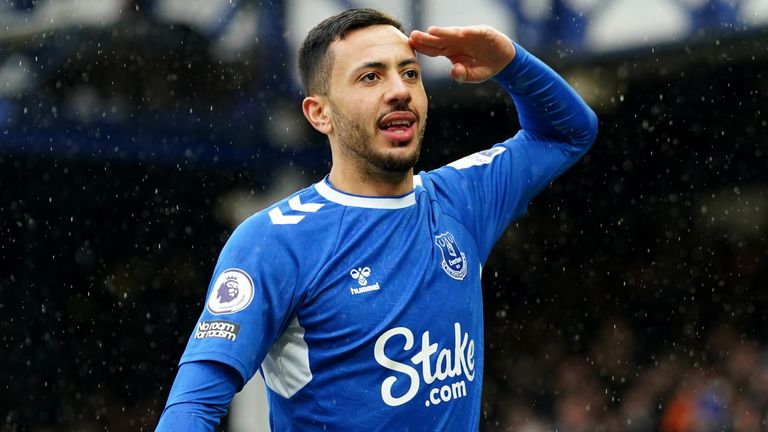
(326, 190)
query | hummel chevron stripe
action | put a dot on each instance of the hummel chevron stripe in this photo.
(278, 218)
(296, 204)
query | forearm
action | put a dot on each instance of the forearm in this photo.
(199, 397)
(545, 103)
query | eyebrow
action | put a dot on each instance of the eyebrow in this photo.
(381, 65)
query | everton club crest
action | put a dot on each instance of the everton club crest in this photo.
(454, 261)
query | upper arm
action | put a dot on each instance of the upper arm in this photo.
(251, 298)
(489, 189)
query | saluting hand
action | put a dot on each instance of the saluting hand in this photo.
(477, 52)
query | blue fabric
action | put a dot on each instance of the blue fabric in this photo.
(199, 397)
(365, 313)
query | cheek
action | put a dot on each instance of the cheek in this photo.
(420, 100)
(360, 112)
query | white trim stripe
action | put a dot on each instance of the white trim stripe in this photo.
(331, 194)
(286, 366)
(296, 204)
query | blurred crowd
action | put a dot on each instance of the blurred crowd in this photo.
(722, 386)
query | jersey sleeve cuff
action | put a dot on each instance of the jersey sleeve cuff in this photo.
(220, 357)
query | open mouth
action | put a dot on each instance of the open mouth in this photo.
(398, 126)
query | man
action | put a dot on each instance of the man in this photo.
(358, 298)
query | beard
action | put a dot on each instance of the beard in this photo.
(355, 141)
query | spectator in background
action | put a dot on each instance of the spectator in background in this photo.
(728, 392)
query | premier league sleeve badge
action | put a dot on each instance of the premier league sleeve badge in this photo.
(232, 292)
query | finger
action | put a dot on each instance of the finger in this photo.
(426, 44)
(427, 50)
(426, 39)
(443, 32)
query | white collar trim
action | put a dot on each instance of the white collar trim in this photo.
(328, 192)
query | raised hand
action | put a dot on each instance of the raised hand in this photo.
(476, 52)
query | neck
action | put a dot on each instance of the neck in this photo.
(371, 184)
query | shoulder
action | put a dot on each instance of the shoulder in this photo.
(292, 220)
(457, 175)
(280, 245)
(474, 163)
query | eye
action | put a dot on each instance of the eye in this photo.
(369, 77)
(411, 74)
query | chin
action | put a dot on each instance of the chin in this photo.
(400, 162)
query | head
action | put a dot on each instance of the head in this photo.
(315, 57)
(364, 91)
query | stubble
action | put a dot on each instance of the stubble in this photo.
(355, 141)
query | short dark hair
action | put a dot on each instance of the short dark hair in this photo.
(315, 62)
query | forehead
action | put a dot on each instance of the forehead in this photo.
(375, 43)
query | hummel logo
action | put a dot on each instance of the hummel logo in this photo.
(278, 218)
(361, 275)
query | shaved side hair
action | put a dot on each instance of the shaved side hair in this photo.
(315, 60)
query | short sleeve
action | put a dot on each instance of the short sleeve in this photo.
(250, 300)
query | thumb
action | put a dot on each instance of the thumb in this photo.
(459, 72)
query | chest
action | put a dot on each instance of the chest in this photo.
(399, 269)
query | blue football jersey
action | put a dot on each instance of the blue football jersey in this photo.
(365, 313)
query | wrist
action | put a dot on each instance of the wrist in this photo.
(506, 76)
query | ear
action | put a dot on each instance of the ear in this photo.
(314, 111)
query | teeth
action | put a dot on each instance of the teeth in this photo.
(398, 123)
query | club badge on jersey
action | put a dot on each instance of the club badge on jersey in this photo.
(454, 261)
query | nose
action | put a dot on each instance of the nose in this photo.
(397, 91)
